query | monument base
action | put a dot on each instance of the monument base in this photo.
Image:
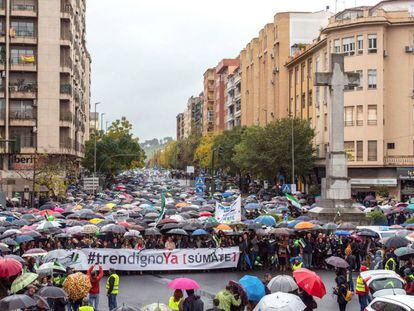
(338, 211)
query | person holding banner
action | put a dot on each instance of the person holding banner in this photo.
(95, 277)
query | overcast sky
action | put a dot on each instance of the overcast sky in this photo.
(148, 57)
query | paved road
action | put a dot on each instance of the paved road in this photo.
(140, 290)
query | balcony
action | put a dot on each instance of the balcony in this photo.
(66, 10)
(22, 36)
(399, 160)
(65, 91)
(2, 8)
(27, 142)
(23, 63)
(23, 118)
(66, 37)
(28, 9)
(65, 118)
(23, 90)
(66, 65)
(66, 143)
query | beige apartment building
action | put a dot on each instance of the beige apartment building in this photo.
(264, 79)
(233, 103)
(378, 43)
(45, 79)
(208, 99)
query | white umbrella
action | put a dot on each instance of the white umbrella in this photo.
(280, 302)
(49, 267)
(74, 230)
(45, 225)
(178, 218)
(155, 307)
(133, 233)
(282, 283)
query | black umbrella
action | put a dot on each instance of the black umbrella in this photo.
(347, 226)
(20, 222)
(9, 241)
(396, 242)
(171, 226)
(367, 233)
(15, 302)
(52, 292)
(177, 231)
(17, 258)
(337, 262)
(152, 231)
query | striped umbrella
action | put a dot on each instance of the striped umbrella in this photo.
(22, 281)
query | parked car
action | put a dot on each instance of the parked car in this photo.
(392, 303)
(383, 283)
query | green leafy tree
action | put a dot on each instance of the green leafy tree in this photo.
(116, 150)
(227, 141)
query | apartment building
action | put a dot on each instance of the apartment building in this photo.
(45, 79)
(225, 68)
(209, 99)
(378, 43)
(233, 103)
(180, 126)
(192, 118)
(264, 79)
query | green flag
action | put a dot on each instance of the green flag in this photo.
(293, 200)
(162, 212)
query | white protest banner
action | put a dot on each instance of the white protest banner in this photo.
(157, 260)
(231, 213)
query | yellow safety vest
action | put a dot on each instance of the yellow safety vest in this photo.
(174, 305)
(116, 283)
(388, 264)
(295, 267)
(86, 308)
(360, 285)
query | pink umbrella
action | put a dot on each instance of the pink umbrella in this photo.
(183, 283)
(59, 209)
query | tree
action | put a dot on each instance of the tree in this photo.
(227, 141)
(267, 151)
(117, 150)
(203, 153)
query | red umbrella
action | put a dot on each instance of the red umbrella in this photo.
(124, 224)
(310, 282)
(205, 214)
(9, 267)
(167, 221)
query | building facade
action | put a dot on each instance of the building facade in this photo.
(45, 84)
(225, 68)
(264, 79)
(180, 126)
(378, 43)
(192, 118)
(209, 99)
(233, 103)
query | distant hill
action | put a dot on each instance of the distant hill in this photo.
(152, 145)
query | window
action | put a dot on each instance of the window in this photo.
(349, 116)
(360, 115)
(310, 69)
(337, 46)
(302, 73)
(349, 148)
(22, 56)
(359, 150)
(390, 145)
(310, 99)
(372, 115)
(372, 150)
(325, 121)
(360, 44)
(326, 60)
(361, 80)
(372, 43)
(22, 109)
(303, 100)
(297, 75)
(318, 151)
(325, 95)
(23, 28)
(317, 92)
(348, 45)
(372, 79)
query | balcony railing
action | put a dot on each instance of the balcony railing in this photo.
(399, 160)
(26, 141)
(66, 116)
(22, 86)
(21, 33)
(23, 7)
(23, 115)
(65, 143)
(65, 6)
(65, 89)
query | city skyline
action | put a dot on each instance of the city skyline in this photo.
(166, 78)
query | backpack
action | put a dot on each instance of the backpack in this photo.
(348, 296)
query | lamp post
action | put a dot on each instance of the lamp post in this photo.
(94, 149)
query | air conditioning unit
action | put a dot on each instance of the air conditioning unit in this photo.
(275, 70)
(409, 49)
(34, 129)
(272, 55)
(3, 74)
(412, 94)
(385, 53)
(34, 103)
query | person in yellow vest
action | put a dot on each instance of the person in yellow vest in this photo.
(112, 289)
(297, 263)
(362, 290)
(85, 306)
(175, 300)
(390, 264)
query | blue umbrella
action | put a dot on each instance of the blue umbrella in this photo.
(200, 232)
(342, 232)
(227, 194)
(410, 207)
(293, 223)
(266, 220)
(23, 238)
(252, 206)
(254, 288)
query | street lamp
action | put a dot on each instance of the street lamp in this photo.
(94, 149)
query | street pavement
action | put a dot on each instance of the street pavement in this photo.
(140, 290)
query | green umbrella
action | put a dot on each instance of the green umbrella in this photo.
(22, 281)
